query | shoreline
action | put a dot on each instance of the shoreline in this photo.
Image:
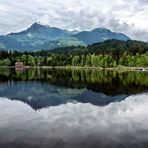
(119, 68)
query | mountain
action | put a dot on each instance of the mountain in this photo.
(39, 36)
(99, 35)
(32, 38)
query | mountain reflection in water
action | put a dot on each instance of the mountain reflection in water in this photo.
(42, 88)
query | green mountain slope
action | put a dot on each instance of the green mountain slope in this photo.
(39, 36)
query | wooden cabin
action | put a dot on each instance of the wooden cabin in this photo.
(19, 65)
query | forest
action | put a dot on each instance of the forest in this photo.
(110, 53)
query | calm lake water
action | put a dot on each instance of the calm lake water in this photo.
(73, 109)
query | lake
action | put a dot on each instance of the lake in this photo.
(57, 108)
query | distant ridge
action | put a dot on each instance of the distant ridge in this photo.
(39, 36)
(99, 35)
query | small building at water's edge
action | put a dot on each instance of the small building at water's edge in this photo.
(19, 65)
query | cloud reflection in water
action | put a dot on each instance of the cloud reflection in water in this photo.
(119, 124)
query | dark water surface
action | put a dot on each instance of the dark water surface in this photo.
(73, 109)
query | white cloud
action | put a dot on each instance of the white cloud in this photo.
(73, 125)
(129, 17)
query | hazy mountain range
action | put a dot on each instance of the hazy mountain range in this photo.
(39, 36)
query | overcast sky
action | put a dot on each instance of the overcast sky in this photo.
(126, 16)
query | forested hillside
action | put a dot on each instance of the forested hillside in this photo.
(110, 53)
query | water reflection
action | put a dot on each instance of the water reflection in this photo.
(73, 109)
(106, 81)
(41, 88)
(120, 124)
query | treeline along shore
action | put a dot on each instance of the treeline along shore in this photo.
(108, 54)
